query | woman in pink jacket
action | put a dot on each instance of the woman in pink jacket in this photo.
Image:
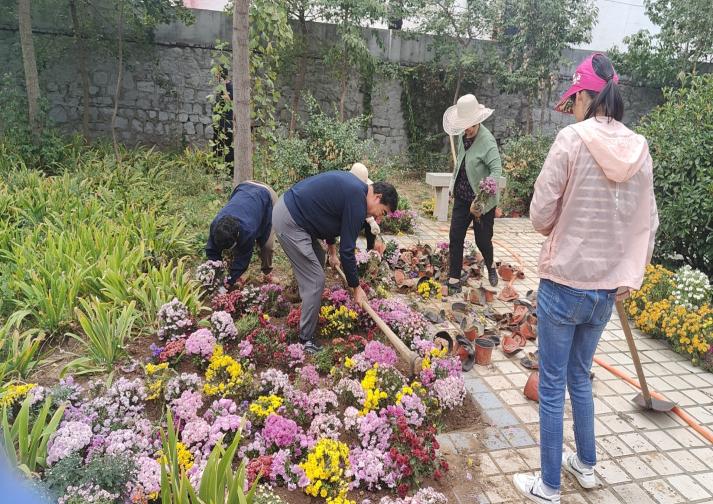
(594, 202)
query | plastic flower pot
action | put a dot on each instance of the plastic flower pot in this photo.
(471, 332)
(484, 351)
(532, 386)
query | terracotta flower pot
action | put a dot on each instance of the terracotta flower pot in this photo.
(474, 296)
(532, 386)
(506, 272)
(484, 351)
(489, 296)
(471, 332)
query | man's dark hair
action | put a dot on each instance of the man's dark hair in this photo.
(389, 196)
(609, 98)
(226, 232)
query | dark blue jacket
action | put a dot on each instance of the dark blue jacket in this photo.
(328, 205)
(251, 205)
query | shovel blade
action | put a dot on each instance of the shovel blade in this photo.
(656, 404)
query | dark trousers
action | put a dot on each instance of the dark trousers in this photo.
(482, 228)
(370, 237)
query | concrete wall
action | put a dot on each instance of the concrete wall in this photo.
(164, 89)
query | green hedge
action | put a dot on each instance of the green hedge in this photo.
(523, 158)
(680, 135)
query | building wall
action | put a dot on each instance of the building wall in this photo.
(164, 89)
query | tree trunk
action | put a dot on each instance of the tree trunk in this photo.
(242, 140)
(343, 86)
(119, 76)
(301, 73)
(32, 80)
(81, 46)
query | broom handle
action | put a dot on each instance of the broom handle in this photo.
(634, 352)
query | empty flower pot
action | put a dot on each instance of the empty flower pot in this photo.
(466, 352)
(471, 332)
(532, 386)
(484, 351)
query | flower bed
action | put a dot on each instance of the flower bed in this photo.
(676, 307)
(342, 421)
(399, 221)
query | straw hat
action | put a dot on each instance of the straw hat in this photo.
(465, 113)
(361, 172)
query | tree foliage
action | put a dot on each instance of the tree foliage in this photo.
(680, 135)
(684, 42)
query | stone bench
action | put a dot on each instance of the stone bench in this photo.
(441, 182)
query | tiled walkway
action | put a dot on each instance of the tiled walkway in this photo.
(643, 457)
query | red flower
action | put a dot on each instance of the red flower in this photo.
(402, 490)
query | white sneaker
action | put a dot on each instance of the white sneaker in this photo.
(532, 488)
(585, 477)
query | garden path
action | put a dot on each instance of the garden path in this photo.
(643, 457)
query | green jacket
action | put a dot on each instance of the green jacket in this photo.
(481, 159)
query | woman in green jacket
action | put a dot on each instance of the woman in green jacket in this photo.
(477, 158)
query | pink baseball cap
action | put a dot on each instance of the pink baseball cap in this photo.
(584, 78)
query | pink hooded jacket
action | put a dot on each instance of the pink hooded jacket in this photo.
(594, 200)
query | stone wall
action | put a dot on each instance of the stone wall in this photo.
(164, 88)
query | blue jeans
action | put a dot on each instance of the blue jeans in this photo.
(569, 325)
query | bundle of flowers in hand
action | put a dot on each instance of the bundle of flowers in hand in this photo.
(399, 221)
(487, 189)
(676, 307)
(211, 276)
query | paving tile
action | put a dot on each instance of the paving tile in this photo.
(527, 413)
(610, 472)
(498, 382)
(705, 480)
(446, 444)
(704, 454)
(699, 397)
(687, 487)
(465, 442)
(687, 437)
(493, 439)
(600, 407)
(616, 424)
(653, 420)
(696, 381)
(600, 425)
(487, 400)
(636, 442)
(476, 385)
(636, 467)
(469, 496)
(507, 367)
(614, 446)
(500, 417)
(621, 403)
(662, 441)
(487, 465)
(633, 493)
(662, 492)
(620, 387)
(509, 461)
(518, 437)
(661, 464)
(688, 461)
(499, 489)
(519, 380)
(513, 397)
(680, 398)
(531, 456)
(603, 496)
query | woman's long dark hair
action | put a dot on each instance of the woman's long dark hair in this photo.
(609, 99)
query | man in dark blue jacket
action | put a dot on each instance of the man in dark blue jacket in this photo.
(244, 221)
(322, 207)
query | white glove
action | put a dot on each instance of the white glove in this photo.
(375, 229)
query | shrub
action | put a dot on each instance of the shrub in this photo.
(680, 135)
(522, 158)
(324, 143)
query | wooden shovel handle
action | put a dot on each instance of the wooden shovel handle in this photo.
(634, 352)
